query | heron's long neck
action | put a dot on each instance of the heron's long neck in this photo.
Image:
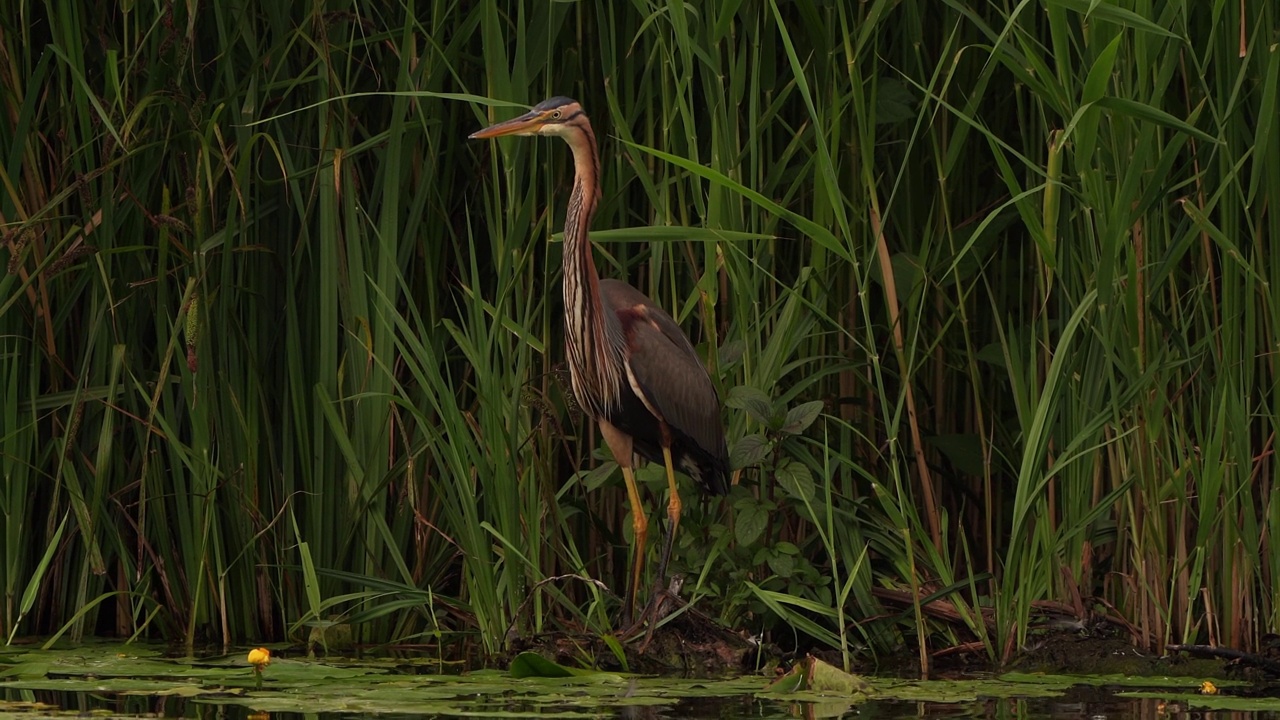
(594, 369)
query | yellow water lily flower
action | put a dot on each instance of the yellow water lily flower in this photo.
(259, 657)
(1208, 688)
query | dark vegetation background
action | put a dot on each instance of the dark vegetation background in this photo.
(988, 288)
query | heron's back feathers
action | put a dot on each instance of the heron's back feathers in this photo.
(668, 386)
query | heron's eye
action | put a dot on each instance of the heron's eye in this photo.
(555, 114)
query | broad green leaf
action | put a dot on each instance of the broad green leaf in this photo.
(797, 480)
(800, 417)
(828, 679)
(749, 523)
(793, 681)
(749, 450)
(781, 565)
(531, 664)
(755, 402)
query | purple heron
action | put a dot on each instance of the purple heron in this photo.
(633, 370)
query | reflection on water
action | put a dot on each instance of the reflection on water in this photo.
(1081, 703)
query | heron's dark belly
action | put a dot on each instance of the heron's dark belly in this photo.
(634, 419)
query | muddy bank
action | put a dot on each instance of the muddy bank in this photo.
(692, 646)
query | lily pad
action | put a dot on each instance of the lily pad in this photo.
(531, 664)
(346, 686)
(962, 691)
(1210, 702)
(1148, 681)
(813, 677)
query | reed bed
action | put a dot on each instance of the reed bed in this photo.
(987, 288)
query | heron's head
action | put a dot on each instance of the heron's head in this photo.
(557, 116)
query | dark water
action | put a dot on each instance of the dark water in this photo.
(1081, 703)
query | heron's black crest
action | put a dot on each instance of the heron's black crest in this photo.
(555, 102)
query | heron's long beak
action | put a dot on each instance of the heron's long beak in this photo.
(526, 124)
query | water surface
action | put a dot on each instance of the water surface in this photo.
(137, 681)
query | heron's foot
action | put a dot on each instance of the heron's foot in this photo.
(662, 602)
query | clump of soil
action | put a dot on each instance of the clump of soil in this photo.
(1092, 654)
(690, 644)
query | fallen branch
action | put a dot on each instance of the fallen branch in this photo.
(1230, 654)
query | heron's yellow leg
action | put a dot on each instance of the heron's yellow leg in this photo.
(640, 525)
(674, 508)
(653, 611)
(621, 445)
